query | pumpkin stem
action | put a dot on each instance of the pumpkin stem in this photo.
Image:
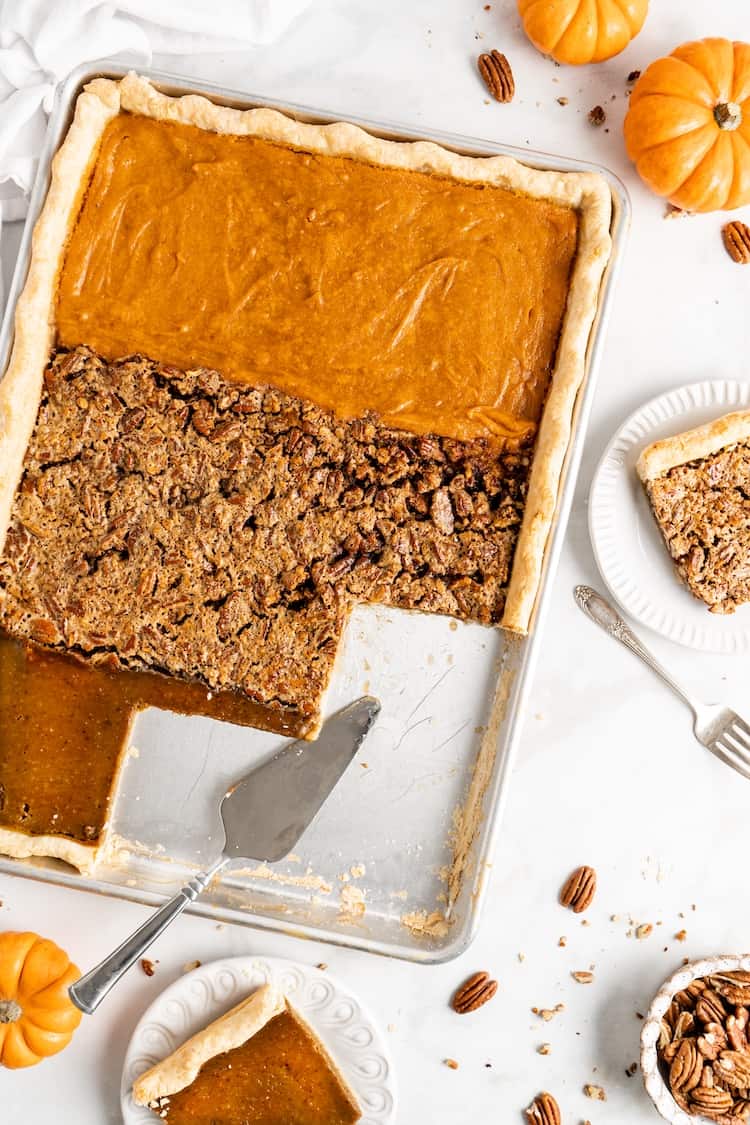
(10, 1011)
(728, 115)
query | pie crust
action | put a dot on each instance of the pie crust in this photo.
(692, 445)
(102, 99)
(180, 1068)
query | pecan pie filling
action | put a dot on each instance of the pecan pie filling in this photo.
(435, 303)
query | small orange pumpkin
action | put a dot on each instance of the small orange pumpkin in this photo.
(582, 31)
(37, 1017)
(688, 126)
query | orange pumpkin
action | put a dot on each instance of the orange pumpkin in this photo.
(688, 126)
(582, 31)
(37, 1017)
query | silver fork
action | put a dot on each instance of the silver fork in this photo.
(719, 729)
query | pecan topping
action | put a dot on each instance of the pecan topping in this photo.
(473, 993)
(736, 237)
(132, 419)
(44, 631)
(544, 1110)
(579, 889)
(597, 116)
(203, 417)
(498, 77)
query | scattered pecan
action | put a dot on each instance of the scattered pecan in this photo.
(451, 1064)
(579, 889)
(583, 977)
(544, 1110)
(596, 1092)
(634, 76)
(736, 237)
(473, 993)
(597, 116)
(497, 75)
(148, 967)
(644, 930)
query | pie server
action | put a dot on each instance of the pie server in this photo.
(264, 816)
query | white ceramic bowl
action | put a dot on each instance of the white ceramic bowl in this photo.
(655, 1085)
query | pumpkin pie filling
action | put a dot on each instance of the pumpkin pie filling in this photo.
(434, 303)
(259, 1064)
(64, 725)
(278, 1077)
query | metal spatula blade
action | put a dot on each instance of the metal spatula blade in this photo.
(264, 815)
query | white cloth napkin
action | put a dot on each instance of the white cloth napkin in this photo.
(41, 41)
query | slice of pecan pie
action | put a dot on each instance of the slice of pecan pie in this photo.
(698, 484)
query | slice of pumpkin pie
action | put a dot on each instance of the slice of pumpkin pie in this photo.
(260, 1064)
(698, 484)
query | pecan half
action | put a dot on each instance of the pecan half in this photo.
(498, 77)
(711, 1100)
(733, 1068)
(709, 1008)
(579, 889)
(687, 1067)
(736, 238)
(544, 1110)
(734, 987)
(473, 993)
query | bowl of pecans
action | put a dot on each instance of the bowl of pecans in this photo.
(695, 1043)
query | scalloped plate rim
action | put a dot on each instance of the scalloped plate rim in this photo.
(250, 966)
(679, 617)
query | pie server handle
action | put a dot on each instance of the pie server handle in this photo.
(89, 991)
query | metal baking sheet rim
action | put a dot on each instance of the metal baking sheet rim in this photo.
(514, 681)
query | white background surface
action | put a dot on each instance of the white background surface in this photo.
(608, 773)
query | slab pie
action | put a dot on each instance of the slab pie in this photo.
(264, 370)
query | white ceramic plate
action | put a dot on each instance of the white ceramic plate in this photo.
(628, 546)
(348, 1032)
